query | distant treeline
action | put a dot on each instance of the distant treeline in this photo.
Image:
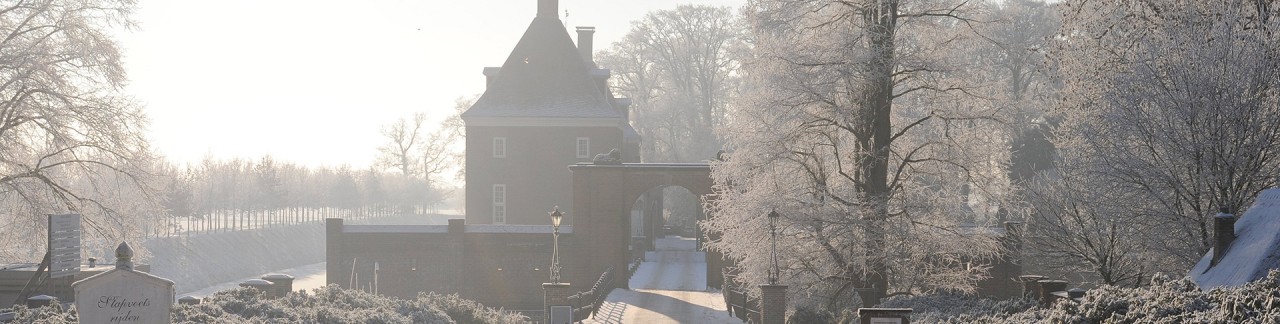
(265, 184)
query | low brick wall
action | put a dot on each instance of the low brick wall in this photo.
(498, 265)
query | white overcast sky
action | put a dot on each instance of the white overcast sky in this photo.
(311, 82)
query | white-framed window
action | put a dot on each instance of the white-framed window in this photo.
(584, 147)
(499, 204)
(499, 147)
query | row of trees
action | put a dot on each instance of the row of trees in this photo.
(886, 133)
(71, 141)
(265, 184)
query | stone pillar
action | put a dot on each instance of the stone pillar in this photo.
(258, 284)
(1076, 293)
(40, 301)
(1047, 287)
(281, 284)
(333, 252)
(457, 272)
(773, 304)
(189, 300)
(1030, 285)
(554, 294)
(884, 315)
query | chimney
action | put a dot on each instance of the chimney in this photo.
(584, 44)
(548, 8)
(491, 73)
(624, 106)
(1224, 231)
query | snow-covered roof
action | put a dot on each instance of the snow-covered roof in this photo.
(469, 228)
(1254, 252)
(525, 229)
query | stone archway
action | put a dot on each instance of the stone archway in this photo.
(603, 195)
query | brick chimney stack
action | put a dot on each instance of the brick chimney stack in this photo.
(1224, 232)
(585, 43)
(548, 8)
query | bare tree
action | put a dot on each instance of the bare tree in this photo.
(862, 130)
(1177, 102)
(680, 69)
(442, 151)
(67, 134)
(1079, 223)
(404, 140)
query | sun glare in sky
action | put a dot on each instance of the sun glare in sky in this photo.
(311, 82)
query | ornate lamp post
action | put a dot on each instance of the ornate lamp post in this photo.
(555, 249)
(773, 247)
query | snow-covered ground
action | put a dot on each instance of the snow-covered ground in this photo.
(669, 287)
(306, 277)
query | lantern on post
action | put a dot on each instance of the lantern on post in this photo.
(556, 216)
(773, 247)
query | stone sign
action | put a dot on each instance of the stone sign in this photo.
(123, 295)
(64, 245)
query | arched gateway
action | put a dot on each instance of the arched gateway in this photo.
(603, 197)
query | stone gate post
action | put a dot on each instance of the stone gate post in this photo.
(773, 304)
(554, 294)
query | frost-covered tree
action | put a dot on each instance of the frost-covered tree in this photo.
(859, 127)
(679, 67)
(404, 140)
(70, 141)
(1079, 224)
(1175, 103)
(1014, 61)
(442, 151)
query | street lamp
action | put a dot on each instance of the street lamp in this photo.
(555, 249)
(773, 247)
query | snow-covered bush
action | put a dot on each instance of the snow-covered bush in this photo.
(324, 305)
(1164, 301)
(466, 311)
(939, 308)
(330, 304)
(336, 305)
(53, 314)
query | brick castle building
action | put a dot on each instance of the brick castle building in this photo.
(547, 107)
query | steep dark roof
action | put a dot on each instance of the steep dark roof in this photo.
(543, 77)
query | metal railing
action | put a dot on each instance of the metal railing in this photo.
(741, 304)
(586, 304)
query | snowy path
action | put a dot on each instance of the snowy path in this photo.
(669, 287)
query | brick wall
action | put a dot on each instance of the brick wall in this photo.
(534, 169)
(497, 269)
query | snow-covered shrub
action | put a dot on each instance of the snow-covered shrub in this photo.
(939, 308)
(52, 314)
(336, 305)
(330, 304)
(1164, 301)
(466, 311)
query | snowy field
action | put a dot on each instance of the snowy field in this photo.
(669, 287)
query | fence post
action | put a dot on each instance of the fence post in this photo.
(281, 283)
(259, 285)
(40, 301)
